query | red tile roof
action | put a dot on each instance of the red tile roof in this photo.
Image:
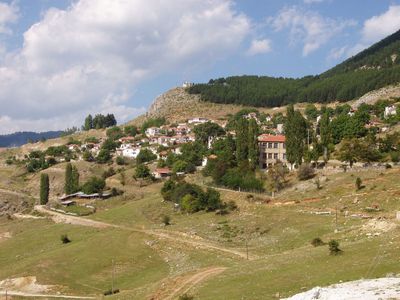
(163, 171)
(272, 138)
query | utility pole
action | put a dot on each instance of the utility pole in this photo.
(112, 282)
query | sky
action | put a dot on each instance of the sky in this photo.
(63, 59)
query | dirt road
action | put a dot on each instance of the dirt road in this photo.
(181, 237)
(179, 285)
(35, 296)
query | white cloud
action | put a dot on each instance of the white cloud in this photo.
(8, 14)
(374, 29)
(92, 56)
(259, 47)
(308, 27)
(378, 27)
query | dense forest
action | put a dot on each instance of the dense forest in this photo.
(371, 69)
(19, 138)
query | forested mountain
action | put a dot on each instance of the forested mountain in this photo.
(371, 69)
(19, 138)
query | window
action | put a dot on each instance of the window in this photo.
(275, 145)
(269, 155)
(269, 145)
(284, 145)
(284, 156)
(275, 155)
(264, 155)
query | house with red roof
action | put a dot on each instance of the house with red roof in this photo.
(272, 150)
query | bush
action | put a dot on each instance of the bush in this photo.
(65, 239)
(108, 173)
(166, 220)
(317, 242)
(305, 172)
(142, 171)
(358, 183)
(111, 292)
(231, 205)
(94, 185)
(145, 155)
(334, 247)
(120, 161)
(395, 156)
(104, 156)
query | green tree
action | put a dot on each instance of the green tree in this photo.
(296, 132)
(94, 185)
(88, 123)
(44, 189)
(114, 133)
(242, 144)
(207, 130)
(253, 150)
(145, 155)
(130, 130)
(349, 151)
(142, 171)
(104, 156)
(179, 166)
(311, 111)
(68, 185)
(326, 135)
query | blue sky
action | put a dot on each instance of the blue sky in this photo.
(63, 59)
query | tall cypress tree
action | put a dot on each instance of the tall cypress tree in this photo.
(75, 180)
(296, 132)
(44, 189)
(326, 135)
(68, 187)
(253, 151)
(242, 142)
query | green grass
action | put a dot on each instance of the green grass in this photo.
(279, 235)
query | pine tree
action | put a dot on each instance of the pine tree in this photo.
(253, 150)
(88, 122)
(44, 189)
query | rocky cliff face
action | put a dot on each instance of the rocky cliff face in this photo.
(171, 103)
(392, 91)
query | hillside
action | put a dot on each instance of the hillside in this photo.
(371, 69)
(20, 138)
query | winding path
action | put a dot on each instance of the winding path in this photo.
(162, 234)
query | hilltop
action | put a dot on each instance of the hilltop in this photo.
(371, 69)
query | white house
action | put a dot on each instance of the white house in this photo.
(279, 128)
(130, 152)
(152, 131)
(390, 111)
(197, 120)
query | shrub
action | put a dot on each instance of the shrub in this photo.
(111, 292)
(120, 161)
(93, 185)
(190, 204)
(358, 183)
(395, 156)
(334, 247)
(145, 155)
(142, 171)
(104, 156)
(317, 242)
(108, 173)
(166, 220)
(305, 172)
(65, 239)
(87, 156)
(231, 205)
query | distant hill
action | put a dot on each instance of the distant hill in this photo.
(374, 68)
(20, 138)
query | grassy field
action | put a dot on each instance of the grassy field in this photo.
(276, 235)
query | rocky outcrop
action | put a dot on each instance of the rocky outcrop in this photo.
(392, 91)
